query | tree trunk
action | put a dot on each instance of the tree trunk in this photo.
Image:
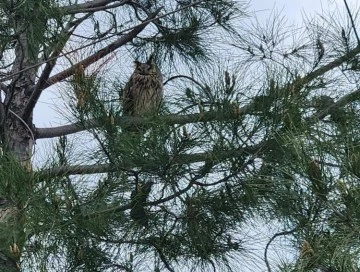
(18, 141)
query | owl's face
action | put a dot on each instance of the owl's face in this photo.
(148, 68)
(143, 68)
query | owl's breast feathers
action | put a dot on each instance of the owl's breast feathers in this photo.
(143, 95)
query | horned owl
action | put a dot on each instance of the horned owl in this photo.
(143, 93)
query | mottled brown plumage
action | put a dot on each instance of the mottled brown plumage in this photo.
(144, 92)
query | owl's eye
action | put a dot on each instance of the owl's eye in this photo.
(144, 68)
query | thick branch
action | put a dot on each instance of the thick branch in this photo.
(93, 6)
(88, 61)
(50, 64)
(102, 52)
(150, 166)
(339, 104)
(328, 67)
(41, 133)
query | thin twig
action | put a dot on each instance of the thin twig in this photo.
(163, 258)
(184, 76)
(352, 21)
(272, 239)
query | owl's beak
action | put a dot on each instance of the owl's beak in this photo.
(151, 59)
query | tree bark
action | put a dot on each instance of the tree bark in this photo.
(17, 135)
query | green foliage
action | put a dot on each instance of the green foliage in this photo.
(272, 137)
(181, 35)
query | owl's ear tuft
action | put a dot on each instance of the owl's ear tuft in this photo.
(136, 63)
(151, 59)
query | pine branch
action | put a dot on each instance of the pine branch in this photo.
(176, 194)
(326, 68)
(170, 119)
(353, 96)
(150, 167)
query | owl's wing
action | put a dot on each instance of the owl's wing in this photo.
(128, 98)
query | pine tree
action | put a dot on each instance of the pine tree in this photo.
(272, 138)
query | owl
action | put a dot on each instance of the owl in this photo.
(142, 95)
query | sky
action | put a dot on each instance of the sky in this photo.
(295, 9)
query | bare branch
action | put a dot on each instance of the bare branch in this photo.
(270, 241)
(187, 77)
(42, 133)
(352, 22)
(170, 119)
(149, 167)
(92, 6)
(64, 37)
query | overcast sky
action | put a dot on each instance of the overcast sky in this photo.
(295, 9)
